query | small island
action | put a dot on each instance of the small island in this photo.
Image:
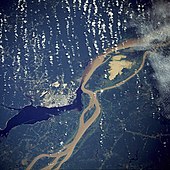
(117, 65)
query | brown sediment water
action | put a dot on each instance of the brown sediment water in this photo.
(60, 157)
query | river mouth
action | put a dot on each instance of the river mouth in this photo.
(84, 84)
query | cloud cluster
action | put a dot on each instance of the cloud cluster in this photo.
(156, 29)
(161, 66)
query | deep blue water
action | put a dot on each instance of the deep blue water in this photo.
(32, 114)
(106, 145)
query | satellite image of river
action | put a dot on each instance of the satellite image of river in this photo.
(85, 84)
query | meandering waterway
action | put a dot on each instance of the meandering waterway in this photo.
(60, 157)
